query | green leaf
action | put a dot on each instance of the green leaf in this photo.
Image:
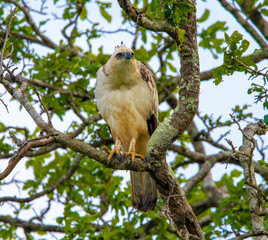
(235, 173)
(265, 105)
(264, 11)
(217, 74)
(265, 119)
(181, 33)
(236, 36)
(184, 7)
(83, 14)
(2, 127)
(171, 67)
(209, 39)
(105, 14)
(204, 17)
(243, 47)
(155, 5)
(263, 164)
(227, 38)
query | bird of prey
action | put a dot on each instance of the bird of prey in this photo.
(127, 99)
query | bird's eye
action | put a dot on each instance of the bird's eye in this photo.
(119, 55)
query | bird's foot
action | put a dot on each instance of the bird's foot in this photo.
(115, 151)
(133, 155)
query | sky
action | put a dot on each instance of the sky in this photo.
(214, 100)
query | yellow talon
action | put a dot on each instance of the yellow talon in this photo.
(133, 155)
(112, 152)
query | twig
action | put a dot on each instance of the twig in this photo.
(261, 149)
(44, 106)
(116, 31)
(252, 70)
(43, 213)
(231, 144)
(4, 105)
(135, 38)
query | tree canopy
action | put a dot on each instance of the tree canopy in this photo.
(64, 188)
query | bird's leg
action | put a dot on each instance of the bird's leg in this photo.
(131, 151)
(116, 149)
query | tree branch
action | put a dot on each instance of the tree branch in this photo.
(177, 207)
(25, 9)
(255, 16)
(244, 23)
(23, 151)
(30, 226)
(204, 76)
(53, 186)
(251, 234)
(245, 154)
(67, 140)
(179, 210)
(144, 21)
(45, 41)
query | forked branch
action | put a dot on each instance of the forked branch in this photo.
(23, 150)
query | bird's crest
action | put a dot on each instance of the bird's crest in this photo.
(119, 46)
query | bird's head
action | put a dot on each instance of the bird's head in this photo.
(122, 54)
(123, 59)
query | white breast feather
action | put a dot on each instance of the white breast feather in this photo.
(124, 108)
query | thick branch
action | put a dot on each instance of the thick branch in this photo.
(168, 131)
(256, 202)
(67, 140)
(178, 209)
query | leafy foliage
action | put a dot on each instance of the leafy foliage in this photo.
(233, 52)
(94, 201)
(209, 37)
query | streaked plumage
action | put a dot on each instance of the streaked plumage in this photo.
(127, 100)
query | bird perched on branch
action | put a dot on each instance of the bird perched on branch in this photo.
(127, 99)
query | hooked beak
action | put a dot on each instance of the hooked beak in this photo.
(128, 55)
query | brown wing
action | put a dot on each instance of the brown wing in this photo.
(148, 77)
